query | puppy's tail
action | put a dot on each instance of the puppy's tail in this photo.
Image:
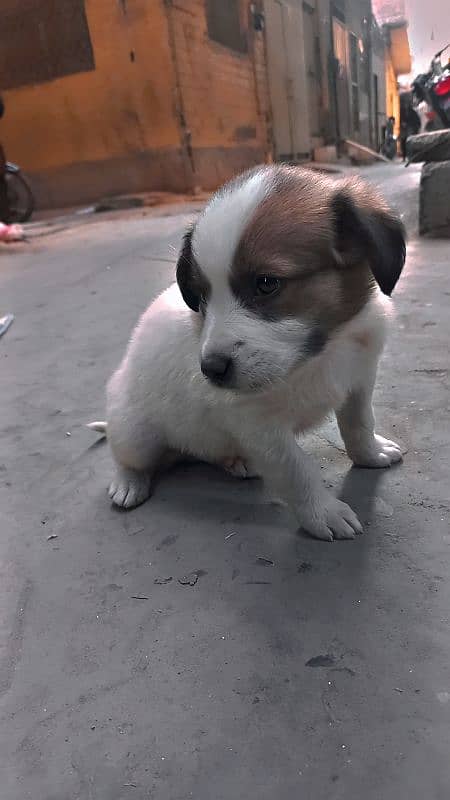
(100, 427)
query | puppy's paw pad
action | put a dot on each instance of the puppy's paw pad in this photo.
(335, 520)
(381, 453)
(130, 491)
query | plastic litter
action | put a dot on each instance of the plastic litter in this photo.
(11, 233)
(5, 323)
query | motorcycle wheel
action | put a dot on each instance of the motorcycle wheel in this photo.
(20, 198)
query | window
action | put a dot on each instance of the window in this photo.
(354, 80)
(224, 24)
(42, 40)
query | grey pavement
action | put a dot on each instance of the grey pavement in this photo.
(325, 676)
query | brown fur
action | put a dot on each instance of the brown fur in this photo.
(291, 236)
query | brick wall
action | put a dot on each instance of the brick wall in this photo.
(223, 93)
(159, 106)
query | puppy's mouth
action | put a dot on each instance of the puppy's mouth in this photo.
(244, 385)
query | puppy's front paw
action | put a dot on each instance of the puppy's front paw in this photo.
(129, 489)
(378, 452)
(333, 519)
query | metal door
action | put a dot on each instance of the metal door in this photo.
(287, 78)
(341, 55)
(312, 66)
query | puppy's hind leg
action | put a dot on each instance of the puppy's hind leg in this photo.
(137, 455)
(130, 488)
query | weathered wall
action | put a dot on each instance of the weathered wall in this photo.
(224, 94)
(110, 129)
(379, 55)
(163, 108)
(287, 78)
(392, 95)
(355, 16)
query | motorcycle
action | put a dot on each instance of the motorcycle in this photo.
(433, 88)
(16, 197)
(20, 197)
(19, 200)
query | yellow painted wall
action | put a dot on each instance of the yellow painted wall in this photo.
(218, 84)
(119, 107)
(185, 111)
(392, 96)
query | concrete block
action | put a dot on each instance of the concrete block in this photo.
(434, 203)
(326, 154)
(432, 146)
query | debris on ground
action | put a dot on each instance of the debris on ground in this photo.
(5, 323)
(259, 583)
(52, 536)
(11, 233)
(191, 578)
(146, 200)
(321, 661)
(304, 566)
(229, 535)
(162, 581)
(135, 533)
(139, 597)
(266, 562)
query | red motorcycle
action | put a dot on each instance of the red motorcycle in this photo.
(433, 88)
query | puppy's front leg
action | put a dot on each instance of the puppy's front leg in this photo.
(357, 426)
(296, 479)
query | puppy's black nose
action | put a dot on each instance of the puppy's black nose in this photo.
(216, 367)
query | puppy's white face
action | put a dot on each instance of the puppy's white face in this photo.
(278, 260)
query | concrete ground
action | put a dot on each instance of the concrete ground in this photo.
(325, 675)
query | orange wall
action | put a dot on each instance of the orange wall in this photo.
(224, 95)
(119, 128)
(392, 96)
(218, 84)
(118, 108)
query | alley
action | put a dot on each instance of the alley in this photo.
(325, 674)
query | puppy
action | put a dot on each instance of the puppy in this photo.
(276, 319)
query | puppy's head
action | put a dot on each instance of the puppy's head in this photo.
(279, 260)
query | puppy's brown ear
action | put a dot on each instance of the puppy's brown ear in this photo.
(367, 230)
(186, 268)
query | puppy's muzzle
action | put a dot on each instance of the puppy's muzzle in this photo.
(217, 368)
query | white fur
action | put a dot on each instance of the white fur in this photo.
(159, 404)
(159, 401)
(219, 228)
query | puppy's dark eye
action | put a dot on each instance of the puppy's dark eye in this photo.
(267, 285)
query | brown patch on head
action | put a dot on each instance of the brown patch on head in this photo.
(291, 236)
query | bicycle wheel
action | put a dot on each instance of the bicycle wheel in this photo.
(20, 198)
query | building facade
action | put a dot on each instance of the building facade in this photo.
(390, 16)
(112, 96)
(109, 96)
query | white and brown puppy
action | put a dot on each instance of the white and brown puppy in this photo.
(276, 319)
